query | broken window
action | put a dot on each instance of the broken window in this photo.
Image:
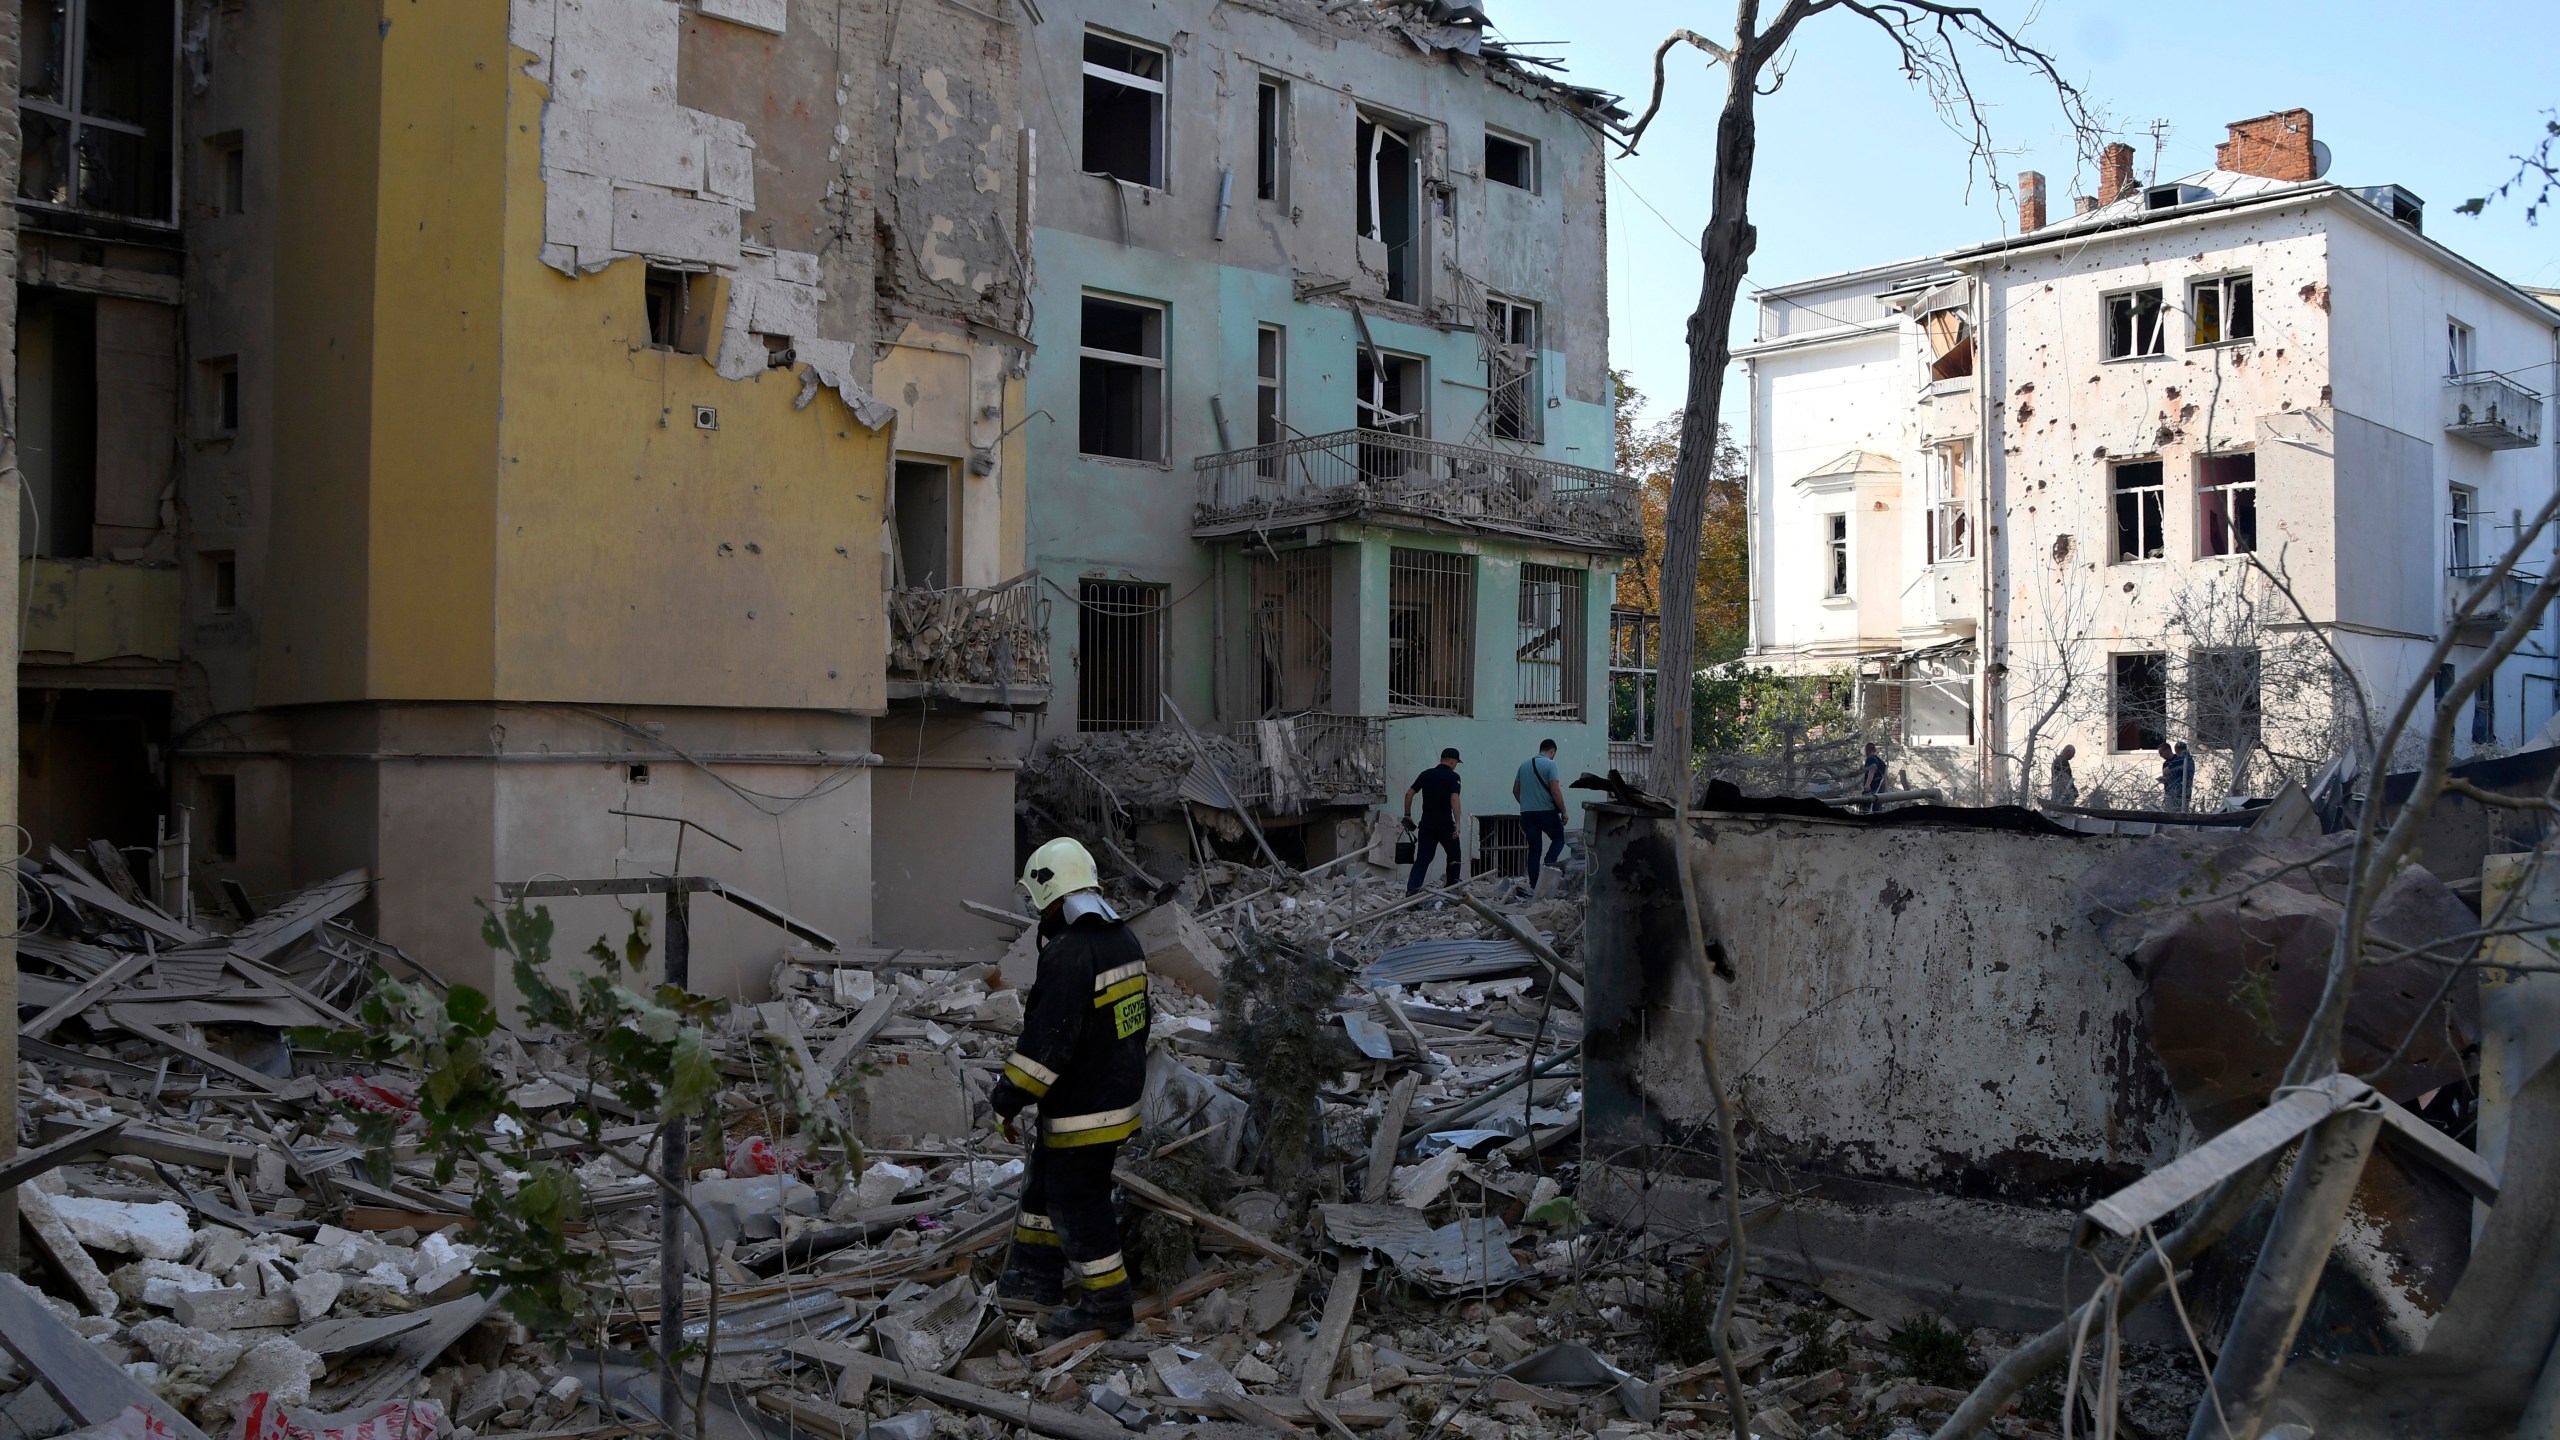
(2222, 694)
(1123, 110)
(1431, 623)
(2141, 701)
(1510, 162)
(1950, 335)
(1388, 401)
(928, 553)
(229, 158)
(2457, 348)
(1835, 555)
(2136, 324)
(221, 581)
(2140, 495)
(1950, 519)
(97, 107)
(1386, 185)
(1271, 140)
(1550, 651)
(99, 420)
(1119, 655)
(221, 394)
(1512, 402)
(2459, 551)
(1120, 398)
(2227, 504)
(2220, 310)
(1270, 394)
(679, 306)
(1293, 630)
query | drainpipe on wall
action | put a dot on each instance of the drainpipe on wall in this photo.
(1757, 548)
(1989, 727)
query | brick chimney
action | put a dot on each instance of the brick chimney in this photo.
(2275, 147)
(2030, 202)
(2115, 173)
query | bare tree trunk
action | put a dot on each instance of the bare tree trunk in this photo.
(1726, 249)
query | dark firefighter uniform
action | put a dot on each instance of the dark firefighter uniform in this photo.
(1083, 1061)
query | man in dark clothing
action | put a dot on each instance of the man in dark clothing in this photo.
(1441, 811)
(1083, 1061)
(1871, 775)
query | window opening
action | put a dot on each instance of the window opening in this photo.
(2221, 310)
(1510, 162)
(222, 581)
(97, 107)
(1835, 566)
(1511, 369)
(1123, 110)
(2484, 713)
(1430, 632)
(1950, 523)
(1633, 638)
(1120, 399)
(222, 394)
(2140, 496)
(679, 305)
(1119, 655)
(1271, 140)
(1384, 200)
(927, 554)
(2222, 686)
(58, 421)
(1950, 336)
(1292, 635)
(1551, 650)
(218, 800)
(2227, 504)
(1270, 394)
(2136, 324)
(2457, 348)
(2142, 701)
(230, 172)
(2459, 550)
(1388, 402)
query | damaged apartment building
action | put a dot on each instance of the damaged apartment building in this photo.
(1323, 430)
(463, 440)
(2017, 488)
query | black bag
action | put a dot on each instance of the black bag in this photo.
(1405, 845)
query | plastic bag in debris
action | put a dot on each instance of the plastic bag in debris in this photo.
(381, 1094)
(756, 1155)
(135, 1423)
(263, 1418)
(1180, 1100)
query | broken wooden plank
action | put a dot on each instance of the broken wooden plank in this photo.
(867, 1025)
(1326, 1352)
(2451, 1156)
(942, 1390)
(1148, 1194)
(821, 1418)
(85, 995)
(89, 890)
(35, 1206)
(199, 1054)
(170, 1147)
(778, 1022)
(1007, 917)
(1390, 1138)
(1246, 1409)
(1147, 1308)
(1364, 1414)
(2146, 1200)
(411, 1353)
(303, 912)
(29, 1164)
(89, 1387)
(325, 1338)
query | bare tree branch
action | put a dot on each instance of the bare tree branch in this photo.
(1652, 107)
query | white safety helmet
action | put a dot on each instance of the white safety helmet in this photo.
(1061, 867)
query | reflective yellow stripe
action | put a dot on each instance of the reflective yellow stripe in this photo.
(1104, 1282)
(1103, 1266)
(1025, 1220)
(1114, 976)
(1134, 985)
(1025, 1235)
(1096, 1129)
(1029, 1074)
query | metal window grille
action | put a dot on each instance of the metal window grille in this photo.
(1292, 631)
(1270, 395)
(1119, 655)
(2227, 504)
(1431, 623)
(2140, 493)
(1551, 653)
(1511, 369)
(1502, 847)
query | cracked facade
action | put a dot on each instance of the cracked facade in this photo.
(2006, 483)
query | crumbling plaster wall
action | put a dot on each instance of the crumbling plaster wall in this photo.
(1913, 1005)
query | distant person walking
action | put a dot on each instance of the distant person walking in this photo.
(2177, 776)
(1539, 787)
(1441, 811)
(1871, 776)
(2065, 789)
(2186, 777)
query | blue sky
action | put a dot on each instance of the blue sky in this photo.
(1855, 168)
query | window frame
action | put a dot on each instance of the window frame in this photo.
(2118, 493)
(1529, 159)
(1153, 416)
(1556, 652)
(1270, 393)
(2116, 721)
(2132, 295)
(1839, 575)
(2219, 725)
(1950, 490)
(1150, 663)
(2221, 288)
(2243, 491)
(1160, 121)
(1272, 117)
(69, 110)
(2462, 527)
(1437, 574)
(1507, 315)
(2461, 349)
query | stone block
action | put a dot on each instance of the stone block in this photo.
(916, 1096)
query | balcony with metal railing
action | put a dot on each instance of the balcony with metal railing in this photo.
(980, 646)
(1311, 760)
(1354, 473)
(2497, 608)
(2492, 411)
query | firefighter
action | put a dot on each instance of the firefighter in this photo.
(1083, 1062)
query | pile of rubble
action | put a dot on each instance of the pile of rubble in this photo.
(211, 1251)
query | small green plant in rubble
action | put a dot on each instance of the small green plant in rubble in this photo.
(1935, 1354)
(651, 1052)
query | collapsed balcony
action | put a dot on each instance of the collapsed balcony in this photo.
(980, 646)
(1352, 473)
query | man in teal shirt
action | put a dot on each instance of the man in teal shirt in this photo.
(1539, 787)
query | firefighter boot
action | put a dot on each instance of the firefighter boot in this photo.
(1035, 1271)
(1110, 1310)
